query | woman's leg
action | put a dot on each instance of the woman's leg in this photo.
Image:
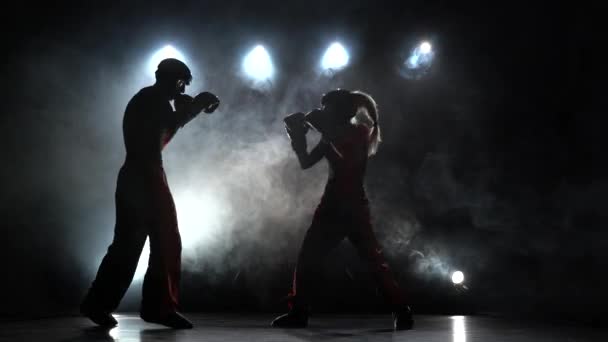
(323, 235)
(363, 238)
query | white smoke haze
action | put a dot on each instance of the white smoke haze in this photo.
(431, 263)
(244, 196)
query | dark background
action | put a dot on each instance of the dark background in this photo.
(492, 163)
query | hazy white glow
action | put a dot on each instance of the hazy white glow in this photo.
(166, 52)
(336, 57)
(257, 64)
(142, 265)
(199, 213)
(425, 47)
(421, 57)
(459, 332)
(199, 216)
(457, 277)
(114, 333)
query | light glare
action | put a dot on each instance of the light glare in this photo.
(114, 333)
(336, 57)
(199, 215)
(457, 277)
(419, 61)
(421, 57)
(257, 64)
(425, 47)
(459, 331)
(167, 51)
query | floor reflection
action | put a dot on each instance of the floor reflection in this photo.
(459, 333)
(114, 333)
(355, 328)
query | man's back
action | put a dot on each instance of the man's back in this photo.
(143, 131)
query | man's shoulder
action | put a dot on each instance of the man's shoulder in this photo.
(145, 97)
(145, 93)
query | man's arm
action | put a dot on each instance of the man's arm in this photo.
(171, 121)
(183, 114)
(187, 108)
(181, 117)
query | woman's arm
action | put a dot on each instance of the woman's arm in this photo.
(298, 144)
(307, 160)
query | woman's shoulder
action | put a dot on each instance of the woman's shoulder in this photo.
(355, 135)
(361, 132)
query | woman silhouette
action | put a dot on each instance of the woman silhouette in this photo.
(348, 122)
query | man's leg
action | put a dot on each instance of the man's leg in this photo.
(118, 265)
(160, 297)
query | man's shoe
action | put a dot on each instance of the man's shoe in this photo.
(103, 319)
(292, 319)
(173, 320)
(403, 319)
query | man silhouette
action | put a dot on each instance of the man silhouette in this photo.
(144, 204)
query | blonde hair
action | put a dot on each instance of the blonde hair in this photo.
(367, 114)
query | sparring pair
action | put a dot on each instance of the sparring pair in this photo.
(348, 122)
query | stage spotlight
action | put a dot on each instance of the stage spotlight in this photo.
(425, 47)
(335, 58)
(457, 277)
(166, 52)
(419, 61)
(421, 57)
(257, 64)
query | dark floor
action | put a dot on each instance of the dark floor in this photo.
(221, 327)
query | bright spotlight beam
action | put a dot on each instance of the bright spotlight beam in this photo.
(167, 51)
(335, 58)
(457, 277)
(257, 64)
